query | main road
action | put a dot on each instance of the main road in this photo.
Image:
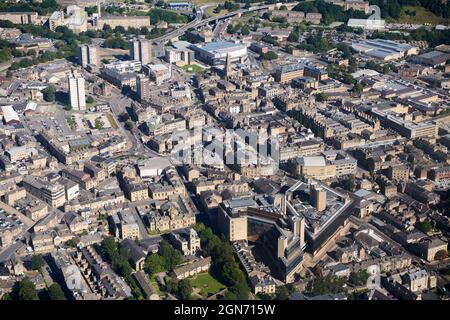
(198, 21)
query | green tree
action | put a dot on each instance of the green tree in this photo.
(270, 55)
(245, 30)
(71, 243)
(359, 278)
(154, 263)
(171, 256)
(328, 284)
(283, 293)
(184, 289)
(37, 262)
(321, 97)
(49, 93)
(55, 292)
(98, 124)
(358, 88)
(89, 99)
(27, 290)
(293, 37)
(425, 226)
(129, 125)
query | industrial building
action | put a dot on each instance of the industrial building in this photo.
(384, 50)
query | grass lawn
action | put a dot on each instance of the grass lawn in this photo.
(206, 284)
(193, 68)
(155, 284)
(418, 15)
(112, 121)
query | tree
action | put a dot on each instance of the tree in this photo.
(293, 37)
(98, 124)
(171, 256)
(184, 289)
(55, 292)
(245, 30)
(328, 284)
(425, 226)
(154, 263)
(89, 99)
(321, 97)
(27, 290)
(270, 55)
(283, 293)
(31, 52)
(359, 278)
(129, 125)
(49, 93)
(71, 243)
(441, 255)
(358, 88)
(37, 262)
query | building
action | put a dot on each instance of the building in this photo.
(325, 212)
(314, 167)
(20, 17)
(124, 225)
(140, 50)
(87, 55)
(75, 19)
(185, 240)
(192, 268)
(215, 53)
(123, 21)
(385, 50)
(408, 129)
(10, 115)
(367, 24)
(289, 72)
(399, 172)
(52, 193)
(158, 72)
(142, 87)
(433, 58)
(438, 174)
(77, 93)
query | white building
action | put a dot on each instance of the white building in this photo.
(153, 167)
(215, 53)
(367, 24)
(77, 92)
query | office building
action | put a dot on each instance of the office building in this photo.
(77, 93)
(52, 193)
(142, 87)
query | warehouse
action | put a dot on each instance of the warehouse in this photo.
(433, 58)
(10, 116)
(384, 50)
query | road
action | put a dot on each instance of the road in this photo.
(198, 21)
